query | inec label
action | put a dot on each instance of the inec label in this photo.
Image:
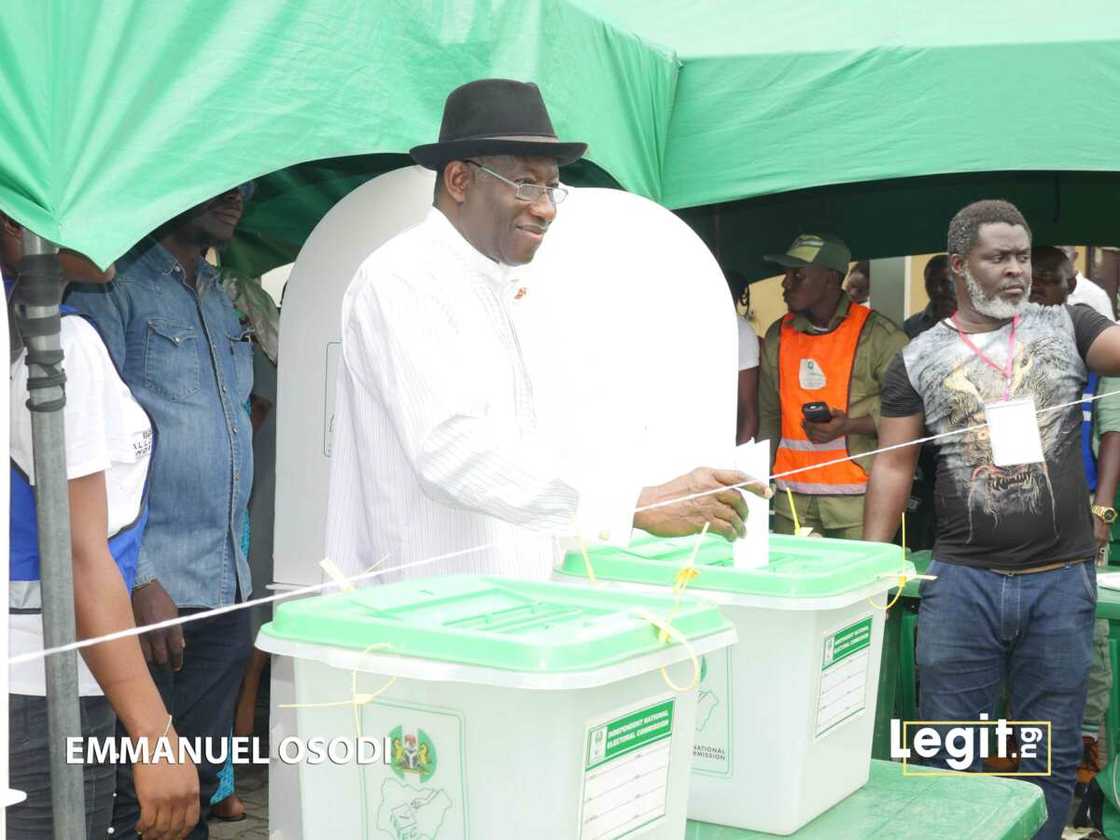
(626, 771)
(845, 660)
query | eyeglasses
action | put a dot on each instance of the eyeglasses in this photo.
(531, 193)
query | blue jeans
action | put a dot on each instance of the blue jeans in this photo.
(978, 629)
(29, 768)
(201, 698)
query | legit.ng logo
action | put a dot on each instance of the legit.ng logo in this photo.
(959, 743)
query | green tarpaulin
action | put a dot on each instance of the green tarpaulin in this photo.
(120, 113)
(780, 96)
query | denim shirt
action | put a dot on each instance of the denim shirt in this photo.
(188, 361)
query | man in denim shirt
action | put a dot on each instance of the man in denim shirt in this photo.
(179, 345)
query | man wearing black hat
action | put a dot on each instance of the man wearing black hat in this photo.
(821, 372)
(436, 450)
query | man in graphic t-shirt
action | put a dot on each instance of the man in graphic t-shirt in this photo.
(1015, 591)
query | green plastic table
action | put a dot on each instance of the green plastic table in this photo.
(1108, 603)
(1108, 608)
(896, 807)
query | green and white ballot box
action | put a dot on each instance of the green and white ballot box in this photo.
(785, 717)
(508, 708)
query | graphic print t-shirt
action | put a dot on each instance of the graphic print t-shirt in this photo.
(1012, 517)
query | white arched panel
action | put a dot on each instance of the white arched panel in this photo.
(309, 354)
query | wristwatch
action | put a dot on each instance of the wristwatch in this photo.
(1107, 515)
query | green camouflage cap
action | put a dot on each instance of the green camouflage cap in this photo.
(811, 249)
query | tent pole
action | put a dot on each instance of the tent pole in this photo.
(37, 296)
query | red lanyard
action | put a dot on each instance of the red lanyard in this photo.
(1008, 370)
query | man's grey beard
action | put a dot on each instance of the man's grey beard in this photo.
(995, 306)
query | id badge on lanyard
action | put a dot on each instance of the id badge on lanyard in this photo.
(1013, 432)
(1012, 424)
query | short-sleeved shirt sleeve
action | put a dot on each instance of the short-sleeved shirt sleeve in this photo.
(86, 416)
(748, 345)
(898, 398)
(1106, 411)
(106, 429)
(1087, 325)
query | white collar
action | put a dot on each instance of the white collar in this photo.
(500, 276)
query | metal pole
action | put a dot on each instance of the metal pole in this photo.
(37, 297)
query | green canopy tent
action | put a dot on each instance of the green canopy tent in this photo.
(876, 122)
(907, 215)
(779, 97)
(122, 113)
(119, 114)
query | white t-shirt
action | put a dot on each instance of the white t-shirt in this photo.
(1089, 293)
(748, 345)
(106, 431)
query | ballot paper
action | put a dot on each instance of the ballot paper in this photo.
(1013, 432)
(753, 550)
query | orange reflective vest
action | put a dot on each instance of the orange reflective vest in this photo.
(817, 368)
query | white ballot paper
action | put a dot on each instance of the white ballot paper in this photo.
(753, 550)
(1013, 432)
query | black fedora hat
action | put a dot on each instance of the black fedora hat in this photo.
(495, 117)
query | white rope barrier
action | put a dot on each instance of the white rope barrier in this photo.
(340, 583)
(333, 583)
(903, 445)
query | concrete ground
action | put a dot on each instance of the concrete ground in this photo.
(251, 784)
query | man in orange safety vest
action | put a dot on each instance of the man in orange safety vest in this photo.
(822, 367)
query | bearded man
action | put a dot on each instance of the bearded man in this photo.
(1015, 589)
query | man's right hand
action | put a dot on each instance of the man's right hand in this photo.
(168, 795)
(725, 512)
(151, 604)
